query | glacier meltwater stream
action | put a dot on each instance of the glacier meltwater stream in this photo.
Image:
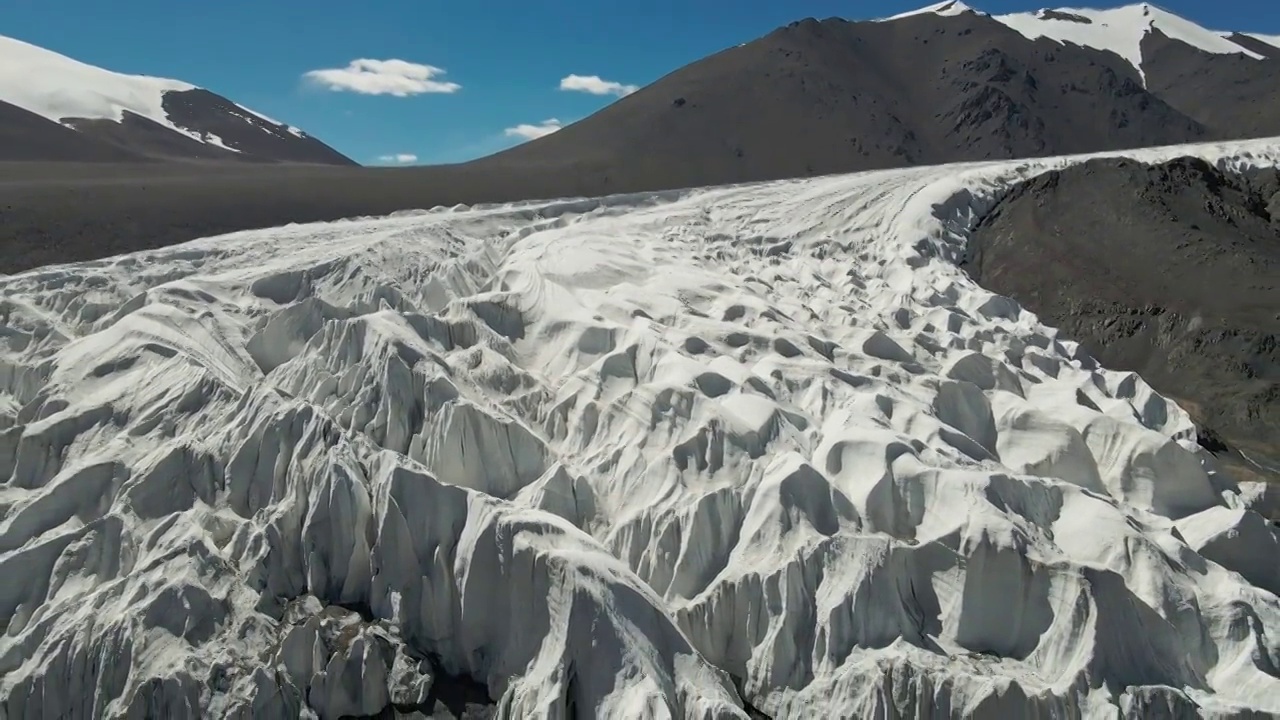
(703, 454)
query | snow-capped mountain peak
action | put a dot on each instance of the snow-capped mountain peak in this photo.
(68, 88)
(81, 96)
(1119, 30)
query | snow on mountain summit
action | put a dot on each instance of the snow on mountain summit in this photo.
(1120, 30)
(80, 96)
(673, 455)
(59, 88)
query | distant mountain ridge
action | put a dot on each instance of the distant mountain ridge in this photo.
(942, 84)
(55, 108)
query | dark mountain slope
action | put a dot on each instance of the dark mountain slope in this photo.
(254, 136)
(147, 140)
(1171, 270)
(1251, 43)
(220, 123)
(27, 136)
(835, 96)
(1234, 96)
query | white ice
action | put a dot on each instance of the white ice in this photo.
(660, 455)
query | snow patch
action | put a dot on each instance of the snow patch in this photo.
(949, 8)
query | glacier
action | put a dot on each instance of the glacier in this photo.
(748, 451)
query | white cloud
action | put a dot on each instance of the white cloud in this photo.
(383, 77)
(530, 132)
(596, 85)
(399, 158)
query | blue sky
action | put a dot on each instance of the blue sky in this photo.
(508, 57)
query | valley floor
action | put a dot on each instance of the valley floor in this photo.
(661, 455)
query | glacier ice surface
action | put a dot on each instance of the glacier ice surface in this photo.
(757, 449)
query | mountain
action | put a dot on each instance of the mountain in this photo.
(942, 84)
(1132, 32)
(55, 108)
(1188, 299)
(1230, 82)
(735, 452)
